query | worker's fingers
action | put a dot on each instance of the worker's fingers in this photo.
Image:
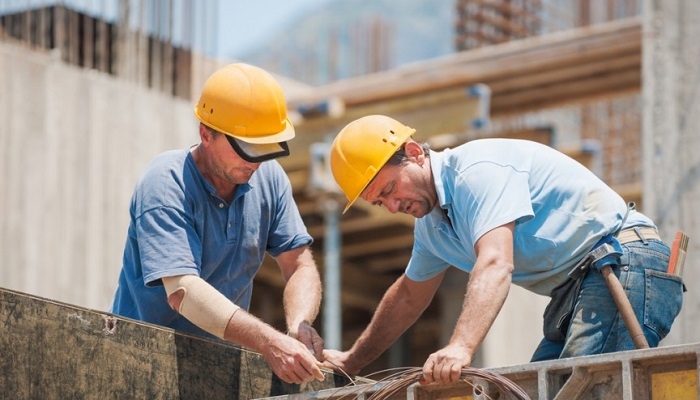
(445, 365)
(292, 361)
(306, 334)
(341, 362)
(447, 372)
(318, 373)
(311, 370)
(428, 371)
(301, 373)
(317, 347)
(311, 367)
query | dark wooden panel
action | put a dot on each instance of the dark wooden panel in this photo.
(52, 350)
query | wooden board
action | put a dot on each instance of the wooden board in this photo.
(52, 350)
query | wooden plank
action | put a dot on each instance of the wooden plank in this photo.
(488, 64)
(566, 73)
(569, 92)
(52, 350)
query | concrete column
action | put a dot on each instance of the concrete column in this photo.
(671, 137)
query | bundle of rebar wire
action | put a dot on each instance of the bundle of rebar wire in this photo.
(398, 382)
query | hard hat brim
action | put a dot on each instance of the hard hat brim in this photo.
(258, 152)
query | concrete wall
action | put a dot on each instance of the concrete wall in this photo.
(72, 145)
(671, 138)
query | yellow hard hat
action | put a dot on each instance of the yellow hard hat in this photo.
(362, 148)
(247, 104)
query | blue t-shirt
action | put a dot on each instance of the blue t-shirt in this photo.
(560, 208)
(180, 226)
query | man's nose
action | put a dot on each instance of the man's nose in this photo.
(392, 205)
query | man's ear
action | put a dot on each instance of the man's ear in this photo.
(414, 150)
(204, 133)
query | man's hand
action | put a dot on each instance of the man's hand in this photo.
(339, 361)
(445, 365)
(291, 360)
(305, 333)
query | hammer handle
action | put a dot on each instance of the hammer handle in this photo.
(625, 308)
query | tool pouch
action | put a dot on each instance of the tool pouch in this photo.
(557, 314)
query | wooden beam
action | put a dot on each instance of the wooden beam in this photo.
(549, 70)
(567, 73)
(487, 64)
(567, 92)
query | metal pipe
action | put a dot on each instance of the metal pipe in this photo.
(332, 314)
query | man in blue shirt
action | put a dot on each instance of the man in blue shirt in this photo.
(203, 218)
(504, 211)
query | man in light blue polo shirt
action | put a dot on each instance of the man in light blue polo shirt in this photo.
(203, 218)
(506, 212)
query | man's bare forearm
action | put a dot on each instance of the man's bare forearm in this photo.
(400, 307)
(302, 296)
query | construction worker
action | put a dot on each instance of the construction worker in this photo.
(203, 218)
(505, 211)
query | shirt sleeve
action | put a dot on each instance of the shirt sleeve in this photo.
(168, 244)
(423, 264)
(287, 230)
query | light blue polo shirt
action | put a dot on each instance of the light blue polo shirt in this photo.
(179, 226)
(560, 208)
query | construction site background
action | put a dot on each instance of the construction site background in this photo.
(74, 139)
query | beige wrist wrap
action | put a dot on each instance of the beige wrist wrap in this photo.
(201, 304)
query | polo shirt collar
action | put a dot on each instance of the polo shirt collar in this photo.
(437, 160)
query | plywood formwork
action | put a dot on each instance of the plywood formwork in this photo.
(52, 350)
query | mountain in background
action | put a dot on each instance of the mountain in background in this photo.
(355, 37)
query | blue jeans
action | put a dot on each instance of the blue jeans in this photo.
(597, 327)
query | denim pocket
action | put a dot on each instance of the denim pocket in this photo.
(663, 300)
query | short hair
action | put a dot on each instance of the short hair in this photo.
(399, 157)
(211, 130)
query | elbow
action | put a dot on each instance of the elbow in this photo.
(504, 268)
(498, 268)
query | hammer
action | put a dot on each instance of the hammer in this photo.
(676, 262)
(625, 308)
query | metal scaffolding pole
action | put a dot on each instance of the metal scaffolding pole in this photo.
(332, 311)
(322, 184)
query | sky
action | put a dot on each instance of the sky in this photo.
(244, 24)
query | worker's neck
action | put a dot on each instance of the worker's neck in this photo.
(223, 188)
